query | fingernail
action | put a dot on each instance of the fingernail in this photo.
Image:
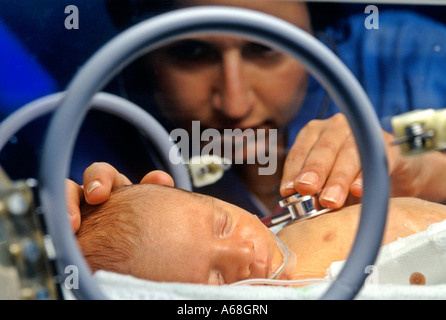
(309, 178)
(93, 185)
(332, 194)
(287, 185)
(357, 182)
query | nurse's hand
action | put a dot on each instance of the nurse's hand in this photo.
(325, 159)
(99, 179)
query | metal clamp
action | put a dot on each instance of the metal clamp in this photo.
(25, 267)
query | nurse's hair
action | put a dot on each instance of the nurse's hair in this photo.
(125, 13)
(110, 232)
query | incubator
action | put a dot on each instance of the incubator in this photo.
(36, 245)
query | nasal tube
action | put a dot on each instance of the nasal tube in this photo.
(287, 258)
(278, 282)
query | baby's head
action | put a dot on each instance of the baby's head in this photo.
(109, 236)
(161, 233)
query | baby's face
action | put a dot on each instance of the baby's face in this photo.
(198, 239)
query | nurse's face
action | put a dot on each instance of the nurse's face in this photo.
(198, 239)
(227, 82)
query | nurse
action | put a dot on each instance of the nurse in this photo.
(228, 83)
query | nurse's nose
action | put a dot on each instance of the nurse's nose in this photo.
(232, 95)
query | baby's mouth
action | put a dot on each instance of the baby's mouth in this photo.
(271, 257)
(260, 268)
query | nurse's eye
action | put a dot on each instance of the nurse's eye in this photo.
(191, 51)
(253, 50)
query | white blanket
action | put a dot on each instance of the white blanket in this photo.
(117, 286)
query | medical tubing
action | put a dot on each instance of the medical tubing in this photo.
(286, 256)
(149, 34)
(111, 104)
(279, 282)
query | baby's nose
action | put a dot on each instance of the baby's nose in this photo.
(237, 261)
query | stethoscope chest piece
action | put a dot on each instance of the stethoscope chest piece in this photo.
(302, 207)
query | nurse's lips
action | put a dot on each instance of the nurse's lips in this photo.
(267, 124)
